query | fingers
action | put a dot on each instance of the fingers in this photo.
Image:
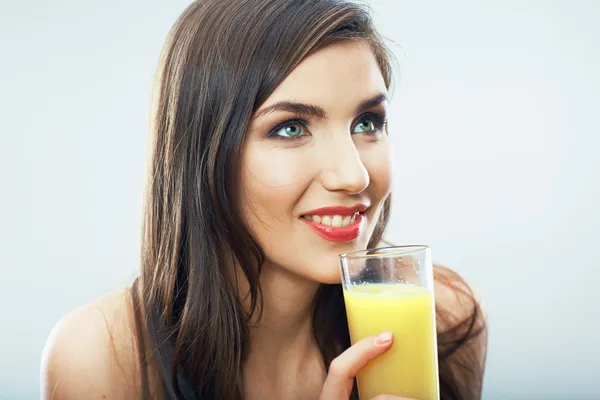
(346, 366)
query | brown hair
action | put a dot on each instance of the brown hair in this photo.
(222, 60)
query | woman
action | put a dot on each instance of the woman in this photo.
(267, 111)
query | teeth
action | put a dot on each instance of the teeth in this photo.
(337, 221)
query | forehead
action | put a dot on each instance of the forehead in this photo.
(335, 77)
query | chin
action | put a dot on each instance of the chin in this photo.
(333, 278)
(326, 268)
(321, 264)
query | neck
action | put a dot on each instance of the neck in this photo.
(286, 318)
(282, 342)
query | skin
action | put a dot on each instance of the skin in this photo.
(91, 353)
(334, 162)
(286, 178)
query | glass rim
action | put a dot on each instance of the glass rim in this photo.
(379, 252)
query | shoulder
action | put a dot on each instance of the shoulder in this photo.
(455, 299)
(91, 352)
(461, 323)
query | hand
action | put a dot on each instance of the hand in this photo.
(346, 366)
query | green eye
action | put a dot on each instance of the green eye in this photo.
(291, 131)
(366, 125)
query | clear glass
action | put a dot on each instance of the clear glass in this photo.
(390, 289)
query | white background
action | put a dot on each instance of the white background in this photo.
(495, 126)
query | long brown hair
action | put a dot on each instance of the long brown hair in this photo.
(222, 60)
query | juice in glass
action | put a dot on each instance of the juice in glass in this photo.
(409, 368)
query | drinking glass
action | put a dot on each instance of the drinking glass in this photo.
(390, 289)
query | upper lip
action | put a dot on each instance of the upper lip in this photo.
(338, 210)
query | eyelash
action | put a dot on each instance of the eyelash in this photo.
(296, 120)
(378, 119)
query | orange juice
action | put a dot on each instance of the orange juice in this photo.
(409, 368)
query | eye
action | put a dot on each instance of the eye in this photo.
(291, 129)
(370, 124)
(366, 126)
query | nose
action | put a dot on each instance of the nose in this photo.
(343, 168)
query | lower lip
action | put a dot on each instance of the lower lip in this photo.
(337, 234)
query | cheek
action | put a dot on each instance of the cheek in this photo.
(273, 180)
(271, 168)
(378, 161)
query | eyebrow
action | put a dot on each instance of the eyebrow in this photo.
(316, 111)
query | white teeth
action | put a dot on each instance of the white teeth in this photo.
(347, 220)
(337, 221)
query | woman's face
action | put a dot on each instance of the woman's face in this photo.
(316, 163)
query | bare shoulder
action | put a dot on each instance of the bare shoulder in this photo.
(91, 353)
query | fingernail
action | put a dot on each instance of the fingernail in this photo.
(384, 338)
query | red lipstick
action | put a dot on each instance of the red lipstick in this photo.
(337, 233)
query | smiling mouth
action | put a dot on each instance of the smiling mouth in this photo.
(335, 220)
(335, 227)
